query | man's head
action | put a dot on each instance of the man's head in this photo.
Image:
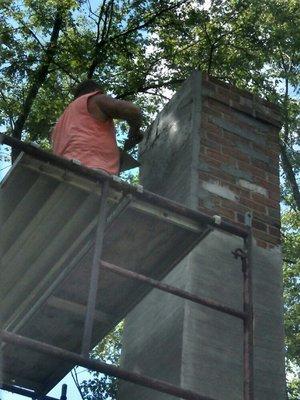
(85, 87)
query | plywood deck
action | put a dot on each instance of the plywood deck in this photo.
(48, 220)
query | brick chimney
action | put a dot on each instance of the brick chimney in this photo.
(239, 152)
(213, 148)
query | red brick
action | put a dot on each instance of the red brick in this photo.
(262, 148)
(236, 189)
(216, 200)
(218, 138)
(245, 193)
(225, 212)
(223, 176)
(212, 161)
(235, 139)
(267, 185)
(262, 216)
(274, 231)
(241, 92)
(211, 144)
(265, 237)
(217, 106)
(253, 205)
(224, 99)
(271, 167)
(209, 85)
(241, 107)
(207, 110)
(259, 199)
(237, 207)
(218, 82)
(272, 106)
(214, 154)
(273, 136)
(240, 217)
(259, 225)
(274, 212)
(262, 243)
(205, 176)
(266, 117)
(272, 153)
(206, 210)
(202, 150)
(256, 172)
(223, 91)
(236, 153)
(275, 195)
(273, 178)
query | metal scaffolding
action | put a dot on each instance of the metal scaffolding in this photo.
(99, 264)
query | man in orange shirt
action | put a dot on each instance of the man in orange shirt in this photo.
(86, 132)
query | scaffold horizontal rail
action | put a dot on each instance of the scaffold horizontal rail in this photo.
(25, 392)
(174, 290)
(99, 366)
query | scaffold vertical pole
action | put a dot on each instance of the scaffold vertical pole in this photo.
(248, 309)
(63, 395)
(91, 304)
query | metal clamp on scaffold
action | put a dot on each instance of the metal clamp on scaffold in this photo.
(140, 188)
(248, 218)
(239, 253)
(75, 161)
(33, 144)
(116, 178)
(217, 219)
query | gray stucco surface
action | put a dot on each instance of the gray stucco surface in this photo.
(181, 342)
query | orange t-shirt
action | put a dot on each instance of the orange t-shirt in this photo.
(78, 135)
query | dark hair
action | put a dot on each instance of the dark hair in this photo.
(85, 87)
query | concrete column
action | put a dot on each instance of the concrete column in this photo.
(213, 148)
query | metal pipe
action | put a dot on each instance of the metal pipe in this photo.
(152, 198)
(25, 392)
(99, 366)
(248, 322)
(63, 395)
(91, 304)
(173, 290)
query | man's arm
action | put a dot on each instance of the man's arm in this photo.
(125, 110)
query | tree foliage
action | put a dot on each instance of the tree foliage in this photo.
(138, 49)
(141, 50)
(99, 386)
(291, 232)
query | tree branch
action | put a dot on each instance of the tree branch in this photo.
(148, 87)
(10, 117)
(76, 381)
(105, 39)
(40, 75)
(149, 20)
(105, 11)
(157, 94)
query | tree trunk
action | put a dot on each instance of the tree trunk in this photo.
(290, 176)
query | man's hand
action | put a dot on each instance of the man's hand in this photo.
(133, 139)
(121, 109)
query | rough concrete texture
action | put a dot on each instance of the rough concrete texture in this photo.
(183, 343)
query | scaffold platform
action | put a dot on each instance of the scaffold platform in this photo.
(79, 249)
